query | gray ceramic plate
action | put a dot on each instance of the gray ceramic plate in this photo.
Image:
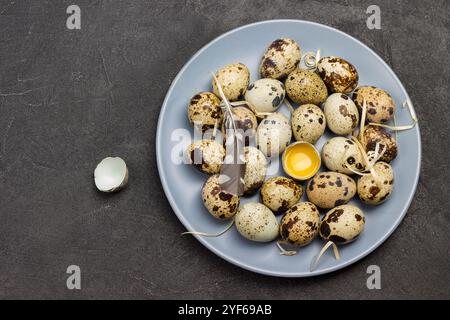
(182, 183)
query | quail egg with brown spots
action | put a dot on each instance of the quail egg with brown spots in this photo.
(247, 119)
(338, 74)
(255, 170)
(219, 203)
(339, 154)
(256, 222)
(330, 189)
(206, 155)
(370, 191)
(304, 87)
(234, 79)
(300, 224)
(280, 59)
(308, 123)
(265, 95)
(280, 193)
(273, 134)
(379, 103)
(375, 134)
(204, 111)
(342, 224)
(341, 113)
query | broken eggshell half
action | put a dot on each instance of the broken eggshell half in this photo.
(111, 174)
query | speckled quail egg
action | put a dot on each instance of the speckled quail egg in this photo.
(206, 155)
(341, 113)
(273, 134)
(372, 193)
(330, 189)
(342, 224)
(375, 134)
(280, 59)
(255, 170)
(280, 193)
(204, 111)
(380, 105)
(339, 154)
(234, 79)
(218, 202)
(338, 74)
(265, 95)
(308, 123)
(300, 224)
(246, 117)
(256, 222)
(304, 87)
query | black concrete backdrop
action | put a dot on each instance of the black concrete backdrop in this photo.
(69, 98)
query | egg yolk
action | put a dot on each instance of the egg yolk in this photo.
(301, 160)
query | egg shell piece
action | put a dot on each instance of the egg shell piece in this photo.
(254, 221)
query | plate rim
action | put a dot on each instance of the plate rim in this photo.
(239, 263)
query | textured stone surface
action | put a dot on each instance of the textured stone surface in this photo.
(68, 98)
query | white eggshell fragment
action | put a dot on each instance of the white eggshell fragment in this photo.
(265, 95)
(342, 224)
(338, 74)
(234, 79)
(280, 59)
(341, 113)
(339, 154)
(274, 134)
(111, 174)
(256, 222)
(308, 123)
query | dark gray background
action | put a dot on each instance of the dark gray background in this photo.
(70, 98)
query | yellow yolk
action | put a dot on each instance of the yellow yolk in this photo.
(301, 160)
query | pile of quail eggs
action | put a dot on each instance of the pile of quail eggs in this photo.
(327, 96)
